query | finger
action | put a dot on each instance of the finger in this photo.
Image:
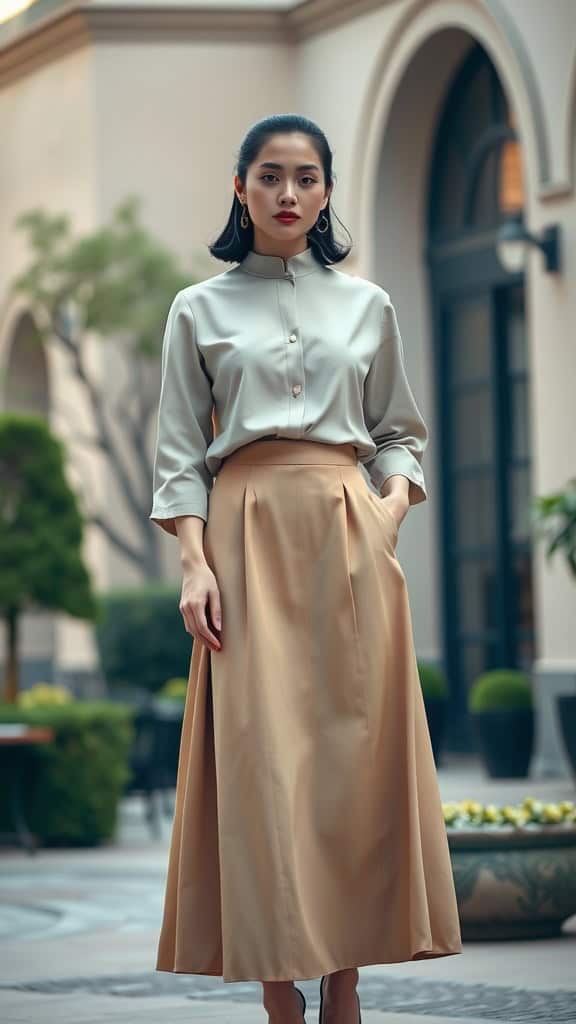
(215, 609)
(203, 629)
(187, 618)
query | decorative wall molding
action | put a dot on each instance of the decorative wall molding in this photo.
(76, 25)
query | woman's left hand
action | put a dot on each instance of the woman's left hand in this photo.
(398, 505)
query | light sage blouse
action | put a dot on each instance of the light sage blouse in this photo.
(288, 348)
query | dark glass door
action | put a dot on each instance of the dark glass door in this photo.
(482, 387)
(486, 489)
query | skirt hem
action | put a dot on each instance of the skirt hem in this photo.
(427, 954)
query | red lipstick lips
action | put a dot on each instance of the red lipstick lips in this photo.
(287, 217)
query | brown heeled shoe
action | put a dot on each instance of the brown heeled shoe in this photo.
(320, 1021)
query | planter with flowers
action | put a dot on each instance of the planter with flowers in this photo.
(500, 703)
(514, 867)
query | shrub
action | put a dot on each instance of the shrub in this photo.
(73, 784)
(433, 682)
(500, 689)
(141, 638)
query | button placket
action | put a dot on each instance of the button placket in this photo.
(295, 363)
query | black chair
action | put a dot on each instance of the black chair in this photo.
(153, 760)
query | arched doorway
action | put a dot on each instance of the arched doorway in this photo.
(26, 387)
(481, 387)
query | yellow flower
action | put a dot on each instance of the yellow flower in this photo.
(471, 807)
(508, 812)
(551, 813)
(530, 810)
(534, 808)
(514, 815)
(490, 813)
(42, 694)
(451, 811)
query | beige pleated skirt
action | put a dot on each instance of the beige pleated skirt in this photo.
(308, 833)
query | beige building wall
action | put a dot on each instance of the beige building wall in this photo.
(159, 107)
(49, 159)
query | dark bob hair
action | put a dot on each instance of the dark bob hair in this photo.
(233, 243)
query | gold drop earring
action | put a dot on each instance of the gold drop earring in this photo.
(244, 218)
(323, 229)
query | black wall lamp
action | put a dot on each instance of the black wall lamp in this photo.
(513, 239)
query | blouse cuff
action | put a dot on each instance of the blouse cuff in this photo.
(164, 517)
(399, 460)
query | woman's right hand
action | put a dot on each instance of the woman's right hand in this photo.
(199, 589)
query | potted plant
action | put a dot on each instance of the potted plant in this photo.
(554, 520)
(514, 867)
(435, 693)
(501, 706)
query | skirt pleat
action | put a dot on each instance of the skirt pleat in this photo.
(308, 831)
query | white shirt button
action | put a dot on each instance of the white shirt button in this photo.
(293, 337)
(296, 389)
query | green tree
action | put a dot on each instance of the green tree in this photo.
(117, 284)
(41, 531)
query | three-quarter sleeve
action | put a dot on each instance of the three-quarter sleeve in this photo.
(181, 480)
(392, 417)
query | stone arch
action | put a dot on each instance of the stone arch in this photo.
(25, 379)
(412, 72)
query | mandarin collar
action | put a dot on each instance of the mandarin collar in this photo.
(277, 266)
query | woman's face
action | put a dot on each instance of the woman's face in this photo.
(287, 175)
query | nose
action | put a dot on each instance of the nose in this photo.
(288, 195)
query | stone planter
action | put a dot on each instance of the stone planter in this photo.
(505, 740)
(514, 883)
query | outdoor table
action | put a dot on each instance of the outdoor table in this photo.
(17, 742)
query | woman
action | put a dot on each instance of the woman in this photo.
(308, 835)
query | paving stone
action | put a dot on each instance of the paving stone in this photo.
(417, 997)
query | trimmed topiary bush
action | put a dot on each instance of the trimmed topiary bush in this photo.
(435, 695)
(501, 690)
(433, 682)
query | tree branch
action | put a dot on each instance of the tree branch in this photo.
(134, 554)
(107, 443)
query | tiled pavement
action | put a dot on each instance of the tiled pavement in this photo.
(78, 932)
